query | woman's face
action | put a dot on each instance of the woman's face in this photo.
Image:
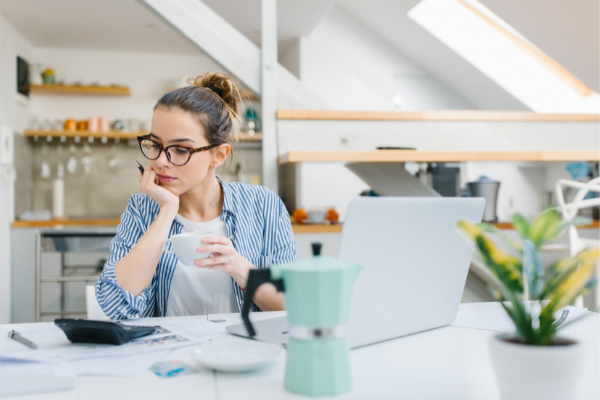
(170, 127)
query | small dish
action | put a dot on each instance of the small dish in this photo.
(233, 354)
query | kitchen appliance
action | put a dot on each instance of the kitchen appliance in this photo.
(488, 189)
(317, 294)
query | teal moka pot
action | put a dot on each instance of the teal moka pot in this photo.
(317, 294)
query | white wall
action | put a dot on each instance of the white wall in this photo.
(326, 185)
(148, 76)
(352, 68)
(290, 59)
(13, 112)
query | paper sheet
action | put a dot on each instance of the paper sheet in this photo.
(17, 378)
(55, 348)
(128, 366)
(499, 321)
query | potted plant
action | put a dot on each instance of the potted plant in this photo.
(533, 363)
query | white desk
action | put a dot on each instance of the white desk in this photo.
(445, 363)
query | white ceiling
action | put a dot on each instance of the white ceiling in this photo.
(122, 25)
(295, 18)
(566, 32)
(127, 25)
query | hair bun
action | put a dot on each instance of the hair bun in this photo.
(223, 86)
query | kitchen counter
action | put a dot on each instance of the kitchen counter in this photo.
(297, 228)
(66, 222)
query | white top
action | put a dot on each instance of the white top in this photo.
(199, 291)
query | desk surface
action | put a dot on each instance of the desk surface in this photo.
(448, 363)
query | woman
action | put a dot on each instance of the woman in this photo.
(191, 129)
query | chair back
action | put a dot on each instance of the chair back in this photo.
(93, 308)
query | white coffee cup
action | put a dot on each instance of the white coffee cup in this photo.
(185, 247)
(316, 216)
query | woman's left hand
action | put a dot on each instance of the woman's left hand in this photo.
(224, 258)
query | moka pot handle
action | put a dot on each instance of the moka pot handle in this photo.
(256, 277)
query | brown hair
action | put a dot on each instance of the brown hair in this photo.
(213, 98)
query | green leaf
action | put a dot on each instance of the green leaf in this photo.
(547, 328)
(533, 270)
(563, 269)
(521, 225)
(516, 312)
(590, 285)
(506, 267)
(498, 232)
(547, 227)
(571, 286)
(521, 319)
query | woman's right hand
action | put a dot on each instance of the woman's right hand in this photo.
(149, 184)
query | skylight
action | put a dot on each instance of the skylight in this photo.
(505, 56)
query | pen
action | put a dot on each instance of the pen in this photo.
(139, 166)
(17, 336)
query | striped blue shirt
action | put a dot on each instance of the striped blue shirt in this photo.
(257, 223)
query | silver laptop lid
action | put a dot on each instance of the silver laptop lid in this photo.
(415, 263)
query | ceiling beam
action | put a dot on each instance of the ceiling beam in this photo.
(231, 49)
(215, 36)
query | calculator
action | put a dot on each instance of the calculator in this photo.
(102, 332)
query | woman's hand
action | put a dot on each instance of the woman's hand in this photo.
(224, 258)
(149, 184)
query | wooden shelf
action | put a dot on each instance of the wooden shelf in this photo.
(84, 134)
(75, 89)
(438, 156)
(248, 95)
(244, 137)
(455, 115)
(321, 228)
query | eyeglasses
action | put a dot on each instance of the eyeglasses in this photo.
(177, 155)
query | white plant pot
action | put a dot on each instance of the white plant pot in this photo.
(526, 372)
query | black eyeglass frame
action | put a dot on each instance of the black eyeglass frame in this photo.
(161, 148)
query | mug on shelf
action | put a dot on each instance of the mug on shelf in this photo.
(120, 125)
(57, 125)
(316, 215)
(70, 125)
(103, 124)
(46, 124)
(93, 124)
(82, 125)
(134, 125)
(34, 124)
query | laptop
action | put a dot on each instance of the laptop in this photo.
(415, 266)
